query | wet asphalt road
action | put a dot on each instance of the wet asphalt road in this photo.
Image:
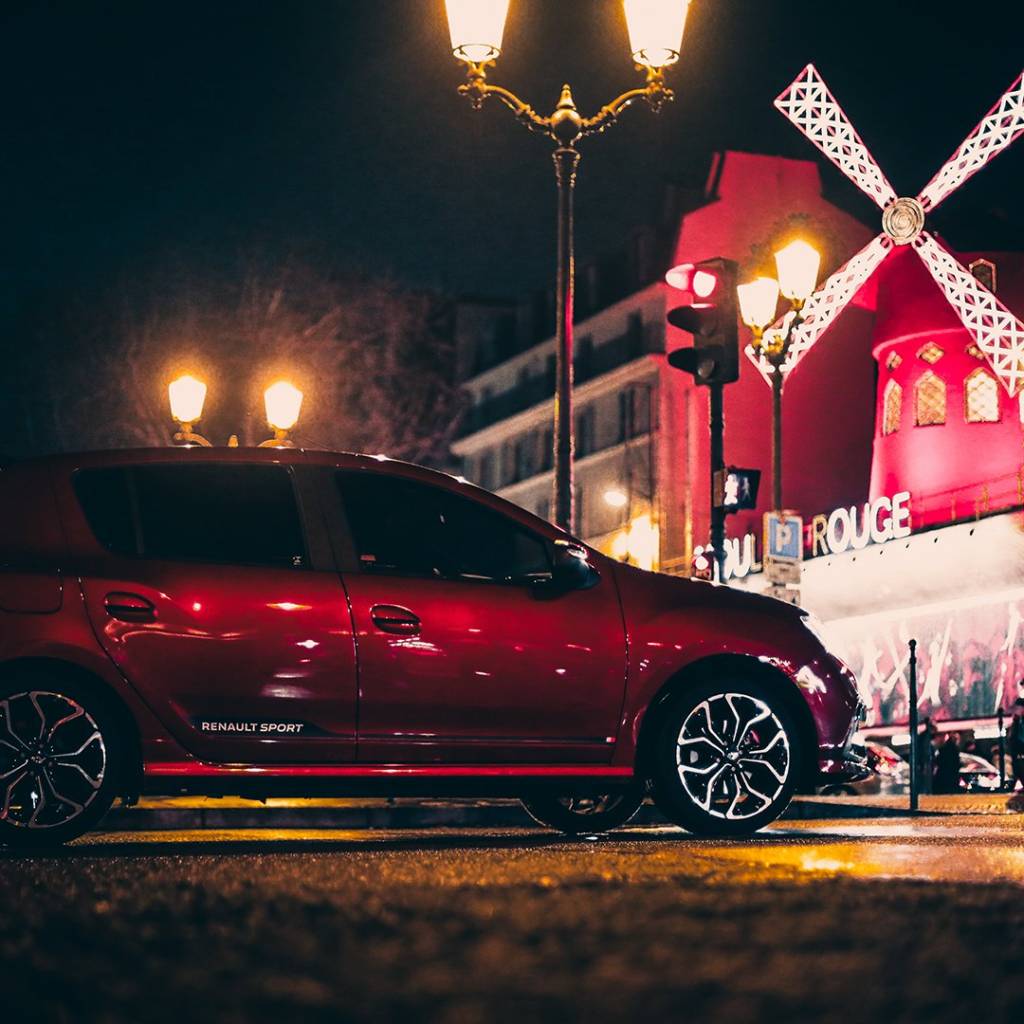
(848, 921)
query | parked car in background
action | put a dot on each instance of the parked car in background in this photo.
(280, 622)
(978, 775)
(890, 775)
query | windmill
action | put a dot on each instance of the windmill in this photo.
(809, 104)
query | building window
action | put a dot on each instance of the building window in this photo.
(585, 432)
(973, 350)
(930, 353)
(981, 397)
(547, 450)
(584, 363)
(524, 449)
(485, 471)
(892, 407)
(627, 414)
(508, 464)
(893, 361)
(985, 271)
(929, 400)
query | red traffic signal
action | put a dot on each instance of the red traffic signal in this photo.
(708, 312)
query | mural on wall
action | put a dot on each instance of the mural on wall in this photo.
(970, 659)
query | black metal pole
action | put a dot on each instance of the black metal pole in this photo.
(717, 423)
(1002, 751)
(566, 162)
(777, 439)
(914, 738)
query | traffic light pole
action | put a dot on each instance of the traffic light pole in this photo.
(777, 439)
(717, 424)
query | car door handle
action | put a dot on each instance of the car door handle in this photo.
(393, 618)
(129, 607)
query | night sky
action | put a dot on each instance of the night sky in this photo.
(142, 132)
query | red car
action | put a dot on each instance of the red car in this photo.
(279, 622)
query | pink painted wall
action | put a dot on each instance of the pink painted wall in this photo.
(761, 203)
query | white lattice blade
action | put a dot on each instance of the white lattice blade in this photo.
(814, 110)
(996, 331)
(998, 129)
(826, 304)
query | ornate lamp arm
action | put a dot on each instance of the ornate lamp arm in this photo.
(565, 125)
(655, 93)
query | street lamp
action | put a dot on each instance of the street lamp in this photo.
(283, 401)
(616, 498)
(797, 266)
(187, 395)
(656, 38)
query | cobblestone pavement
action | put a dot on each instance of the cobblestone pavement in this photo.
(870, 920)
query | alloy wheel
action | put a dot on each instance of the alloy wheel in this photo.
(733, 756)
(53, 760)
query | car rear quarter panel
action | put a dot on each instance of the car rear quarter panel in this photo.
(673, 625)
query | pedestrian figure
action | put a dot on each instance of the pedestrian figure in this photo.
(1015, 740)
(925, 756)
(947, 765)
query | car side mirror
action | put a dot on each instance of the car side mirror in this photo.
(571, 568)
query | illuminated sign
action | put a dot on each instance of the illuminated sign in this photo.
(843, 529)
(875, 522)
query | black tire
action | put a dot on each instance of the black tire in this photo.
(61, 759)
(584, 815)
(717, 790)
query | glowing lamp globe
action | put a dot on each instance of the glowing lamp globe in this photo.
(616, 498)
(476, 28)
(758, 300)
(187, 396)
(798, 264)
(656, 30)
(283, 402)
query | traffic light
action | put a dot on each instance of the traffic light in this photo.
(736, 489)
(710, 316)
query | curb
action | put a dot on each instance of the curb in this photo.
(482, 815)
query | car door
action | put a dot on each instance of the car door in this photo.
(207, 599)
(465, 656)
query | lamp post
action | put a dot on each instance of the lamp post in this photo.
(187, 395)
(283, 402)
(797, 265)
(655, 35)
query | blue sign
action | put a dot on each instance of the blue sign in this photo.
(785, 537)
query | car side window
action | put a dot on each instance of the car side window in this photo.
(405, 527)
(216, 513)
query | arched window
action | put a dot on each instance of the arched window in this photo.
(892, 407)
(981, 397)
(929, 400)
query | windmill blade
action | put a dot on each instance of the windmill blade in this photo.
(814, 110)
(996, 131)
(825, 305)
(996, 331)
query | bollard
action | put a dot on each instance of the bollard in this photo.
(1002, 751)
(914, 738)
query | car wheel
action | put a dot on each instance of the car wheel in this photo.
(584, 815)
(59, 762)
(726, 758)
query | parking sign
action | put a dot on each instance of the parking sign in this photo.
(783, 546)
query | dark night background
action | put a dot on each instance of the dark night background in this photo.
(144, 136)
